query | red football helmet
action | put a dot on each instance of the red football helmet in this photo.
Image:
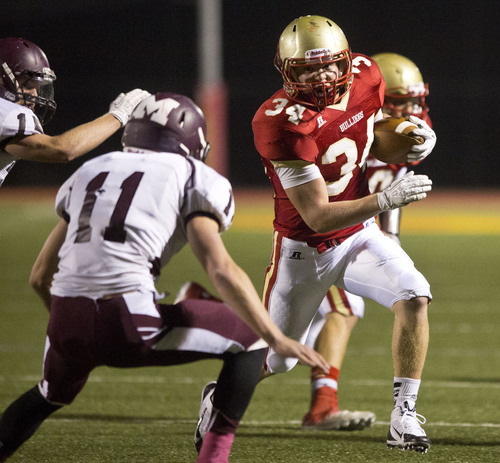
(168, 122)
(24, 67)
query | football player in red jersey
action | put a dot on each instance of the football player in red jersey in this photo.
(405, 94)
(27, 103)
(314, 137)
(339, 311)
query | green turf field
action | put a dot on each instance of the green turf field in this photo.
(148, 415)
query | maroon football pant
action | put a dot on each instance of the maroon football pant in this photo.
(84, 333)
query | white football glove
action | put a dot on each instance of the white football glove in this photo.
(406, 190)
(125, 103)
(419, 152)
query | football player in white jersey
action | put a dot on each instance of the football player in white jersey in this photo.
(27, 103)
(123, 216)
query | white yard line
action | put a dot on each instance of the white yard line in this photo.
(151, 379)
(168, 422)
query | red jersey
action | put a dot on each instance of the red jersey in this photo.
(337, 140)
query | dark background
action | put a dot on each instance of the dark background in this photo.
(99, 48)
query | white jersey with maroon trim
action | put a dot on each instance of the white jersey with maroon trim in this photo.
(15, 120)
(127, 215)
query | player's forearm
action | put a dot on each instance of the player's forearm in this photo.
(67, 146)
(86, 137)
(44, 294)
(341, 214)
(312, 202)
(47, 263)
(236, 290)
(40, 281)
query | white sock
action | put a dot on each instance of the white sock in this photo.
(406, 390)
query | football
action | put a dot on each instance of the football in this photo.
(394, 140)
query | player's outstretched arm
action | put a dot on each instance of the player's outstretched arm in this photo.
(46, 263)
(235, 288)
(79, 140)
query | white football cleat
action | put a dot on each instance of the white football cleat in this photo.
(339, 420)
(207, 404)
(405, 431)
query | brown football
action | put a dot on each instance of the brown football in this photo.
(394, 140)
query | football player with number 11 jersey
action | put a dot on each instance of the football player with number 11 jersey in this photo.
(123, 215)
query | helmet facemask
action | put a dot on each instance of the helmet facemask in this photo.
(411, 97)
(42, 104)
(322, 93)
(200, 152)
